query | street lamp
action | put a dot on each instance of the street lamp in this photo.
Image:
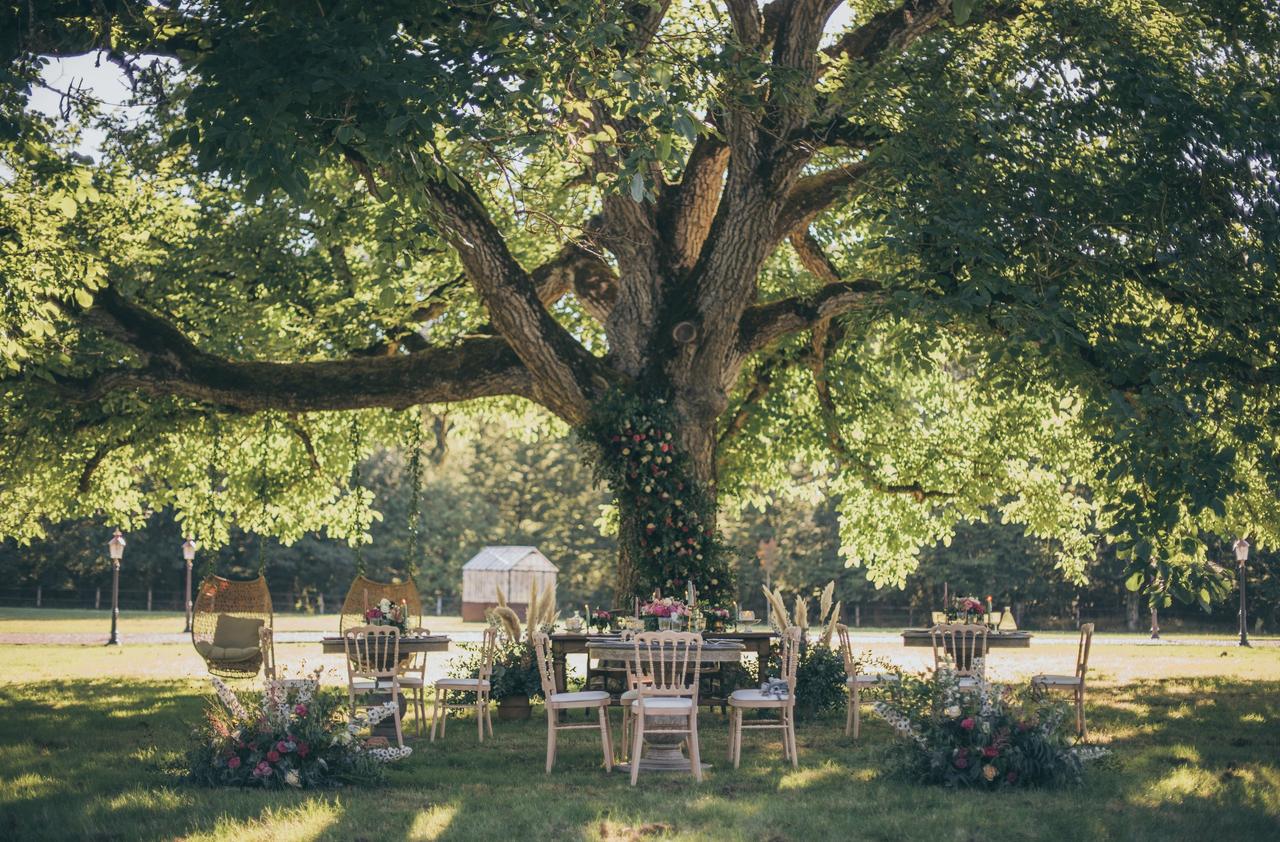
(1242, 555)
(116, 548)
(189, 556)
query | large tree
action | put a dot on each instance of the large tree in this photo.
(937, 257)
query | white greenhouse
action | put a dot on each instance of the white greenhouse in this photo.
(514, 569)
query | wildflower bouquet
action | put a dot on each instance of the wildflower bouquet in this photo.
(293, 735)
(600, 620)
(995, 737)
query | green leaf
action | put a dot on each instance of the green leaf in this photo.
(637, 187)
(962, 9)
(84, 298)
(1134, 582)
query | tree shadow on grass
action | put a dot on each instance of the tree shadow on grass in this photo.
(102, 759)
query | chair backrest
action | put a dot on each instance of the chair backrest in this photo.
(372, 651)
(546, 666)
(789, 657)
(959, 647)
(668, 663)
(1082, 653)
(846, 650)
(488, 650)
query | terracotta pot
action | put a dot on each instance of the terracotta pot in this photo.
(514, 708)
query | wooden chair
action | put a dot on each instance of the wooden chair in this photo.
(754, 699)
(668, 667)
(581, 700)
(856, 681)
(1074, 683)
(413, 678)
(373, 657)
(479, 686)
(960, 648)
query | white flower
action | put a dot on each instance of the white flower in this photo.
(952, 711)
(384, 605)
(292, 779)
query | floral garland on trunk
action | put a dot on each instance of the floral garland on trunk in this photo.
(665, 515)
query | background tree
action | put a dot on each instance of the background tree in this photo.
(1031, 263)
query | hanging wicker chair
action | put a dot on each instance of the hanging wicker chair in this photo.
(227, 622)
(366, 593)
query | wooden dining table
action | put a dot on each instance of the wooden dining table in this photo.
(564, 644)
(411, 644)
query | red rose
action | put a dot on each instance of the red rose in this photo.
(233, 763)
(990, 751)
(300, 710)
(303, 749)
(967, 723)
(273, 756)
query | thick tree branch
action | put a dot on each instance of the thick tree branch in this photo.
(688, 210)
(815, 193)
(766, 323)
(890, 31)
(170, 364)
(565, 373)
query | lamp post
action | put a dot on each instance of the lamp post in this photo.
(116, 548)
(189, 556)
(1242, 555)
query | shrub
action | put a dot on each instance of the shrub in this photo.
(994, 737)
(293, 734)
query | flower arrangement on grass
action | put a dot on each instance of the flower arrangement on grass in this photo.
(388, 613)
(991, 738)
(294, 735)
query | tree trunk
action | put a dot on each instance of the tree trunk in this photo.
(693, 430)
(1131, 610)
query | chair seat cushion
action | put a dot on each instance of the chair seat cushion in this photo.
(580, 699)
(867, 679)
(629, 696)
(664, 703)
(213, 652)
(380, 684)
(234, 632)
(1056, 680)
(753, 697)
(412, 681)
(462, 684)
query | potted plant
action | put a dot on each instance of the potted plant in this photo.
(515, 680)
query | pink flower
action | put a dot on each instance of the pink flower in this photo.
(233, 762)
(282, 747)
(300, 710)
(303, 749)
(372, 614)
(991, 751)
(273, 756)
(967, 723)
(262, 770)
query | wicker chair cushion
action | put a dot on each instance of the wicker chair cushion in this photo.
(212, 652)
(236, 633)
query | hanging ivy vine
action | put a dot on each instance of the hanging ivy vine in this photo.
(665, 515)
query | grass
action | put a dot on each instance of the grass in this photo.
(91, 741)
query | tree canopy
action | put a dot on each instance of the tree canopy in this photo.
(934, 260)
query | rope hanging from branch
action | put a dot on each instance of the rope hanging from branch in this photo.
(354, 494)
(215, 424)
(415, 494)
(264, 491)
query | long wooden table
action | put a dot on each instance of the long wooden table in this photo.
(565, 644)
(409, 645)
(995, 639)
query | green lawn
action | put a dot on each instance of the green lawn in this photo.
(90, 741)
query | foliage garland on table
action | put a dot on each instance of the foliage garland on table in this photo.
(666, 517)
